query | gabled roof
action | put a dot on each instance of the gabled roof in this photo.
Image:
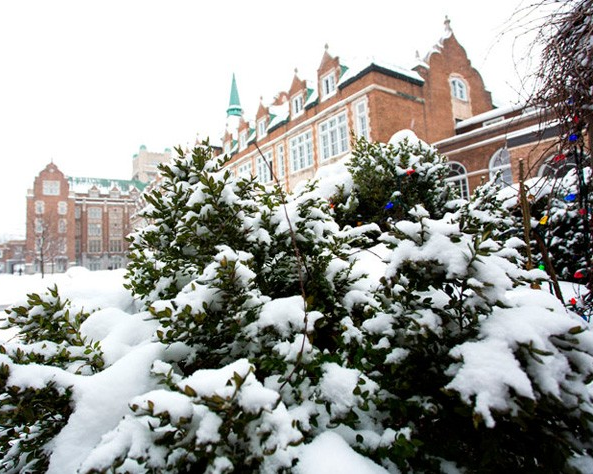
(279, 114)
(358, 67)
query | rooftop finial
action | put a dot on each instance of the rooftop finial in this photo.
(326, 46)
(234, 102)
(448, 24)
(296, 71)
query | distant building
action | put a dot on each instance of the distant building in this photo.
(12, 256)
(145, 163)
(78, 221)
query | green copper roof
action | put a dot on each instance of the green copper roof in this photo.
(234, 102)
(82, 185)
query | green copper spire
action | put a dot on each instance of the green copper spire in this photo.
(234, 103)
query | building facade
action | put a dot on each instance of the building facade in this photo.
(78, 221)
(311, 124)
(442, 99)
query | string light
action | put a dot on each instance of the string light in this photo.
(573, 137)
(389, 205)
(410, 172)
(543, 220)
(578, 274)
(570, 198)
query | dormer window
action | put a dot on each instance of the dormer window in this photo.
(297, 105)
(242, 140)
(261, 128)
(227, 148)
(328, 85)
(458, 89)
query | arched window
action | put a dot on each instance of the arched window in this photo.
(557, 166)
(458, 178)
(501, 161)
(459, 89)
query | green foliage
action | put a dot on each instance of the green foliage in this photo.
(390, 179)
(48, 319)
(29, 419)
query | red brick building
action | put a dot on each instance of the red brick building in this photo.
(310, 124)
(78, 221)
(443, 100)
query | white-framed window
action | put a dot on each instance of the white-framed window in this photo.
(77, 212)
(62, 208)
(115, 222)
(51, 187)
(297, 105)
(39, 207)
(227, 148)
(115, 245)
(301, 151)
(261, 128)
(94, 229)
(333, 136)
(94, 246)
(62, 226)
(362, 119)
(458, 178)
(95, 213)
(38, 226)
(243, 140)
(458, 89)
(264, 173)
(280, 167)
(244, 169)
(328, 85)
(501, 161)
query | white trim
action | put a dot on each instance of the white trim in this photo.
(303, 144)
(332, 85)
(332, 136)
(328, 112)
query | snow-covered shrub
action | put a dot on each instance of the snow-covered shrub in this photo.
(32, 414)
(50, 334)
(457, 371)
(390, 179)
(197, 206)
(282, 333)
(30, 417)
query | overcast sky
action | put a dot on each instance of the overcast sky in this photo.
(86, 83)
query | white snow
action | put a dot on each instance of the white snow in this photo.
(330, 454)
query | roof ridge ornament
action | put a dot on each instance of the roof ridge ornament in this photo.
(448, 29)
